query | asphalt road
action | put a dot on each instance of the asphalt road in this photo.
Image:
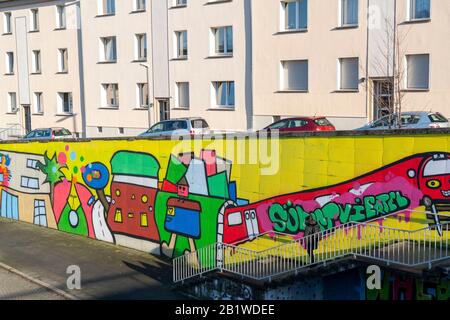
(14, 287)
(108, 271)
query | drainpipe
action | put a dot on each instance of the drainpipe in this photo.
(81, 71)
(367, 62)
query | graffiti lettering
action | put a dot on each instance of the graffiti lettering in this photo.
(290, 218)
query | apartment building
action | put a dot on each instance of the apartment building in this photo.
(340, 58)
(40, 75)
(210, 61)
(240, 64)
(82, 65)
(116, 55)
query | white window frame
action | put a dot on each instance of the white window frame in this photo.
(12, 102)
(138, 47)
(284, 13)
(179, 86)
(141, 92)
(36, 61)
(215, 34)
(283, 86)
(179, 3)
(61, 17)
(406, 76)
(341, 15)
(103, 49)
(180, 35)
(339, 64)
(63, 60)
(102, 10)
(60, 102)
(136, 4)
(104, 96)
(10, 63)
(34, 19)
(38, 103)
(215, 98)
(7, 22)
(409, 11)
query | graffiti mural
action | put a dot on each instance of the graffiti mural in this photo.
(140, 195)
(395, 286)
(419, 180)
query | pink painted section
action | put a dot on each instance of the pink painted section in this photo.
(62, 191)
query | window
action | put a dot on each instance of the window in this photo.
(110, 95)
(65, 102)
(109, 50)
(12, 102)
(224, 93)
(60, 17)
(106, 7)
(295, 75)
(139, 5)
(118, 216)
(223, 39)
(9, 62)
(183, 95)
(348, 74)
(141, 47)
(7, 23)
(182, 46)
(143, 95)
(144, 220)
(234, 219)
(40, 215)
(349, 12)
(418, 71)
(29, 183)
(38, 103)
(180, 2)
(295, 14)
(63, 60)
(34, 18)
(419, 9)
(32, 164)
(36, 63)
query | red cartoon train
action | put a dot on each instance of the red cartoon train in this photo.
(421, 179)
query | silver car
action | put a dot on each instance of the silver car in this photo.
(49, 134)
(182, 126)
(409, 120)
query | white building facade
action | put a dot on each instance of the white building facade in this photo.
(94, 66)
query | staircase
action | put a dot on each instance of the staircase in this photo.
(403, 248)
(12, 132)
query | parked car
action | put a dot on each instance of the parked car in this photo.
(409, 120)
(302, 124)
(49, 134)
(182, 126)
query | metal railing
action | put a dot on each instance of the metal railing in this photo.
(410, 248)
(14, 131)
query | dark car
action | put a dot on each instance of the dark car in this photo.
(49, 134)
(302, 124)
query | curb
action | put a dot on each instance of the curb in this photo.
(38, 282)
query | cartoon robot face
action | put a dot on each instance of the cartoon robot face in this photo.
(434, 180)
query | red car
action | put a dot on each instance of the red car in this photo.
(302, 124)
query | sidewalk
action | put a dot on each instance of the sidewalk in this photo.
(107, 271)
(14, 287)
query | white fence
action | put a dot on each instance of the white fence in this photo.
(410, 248)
